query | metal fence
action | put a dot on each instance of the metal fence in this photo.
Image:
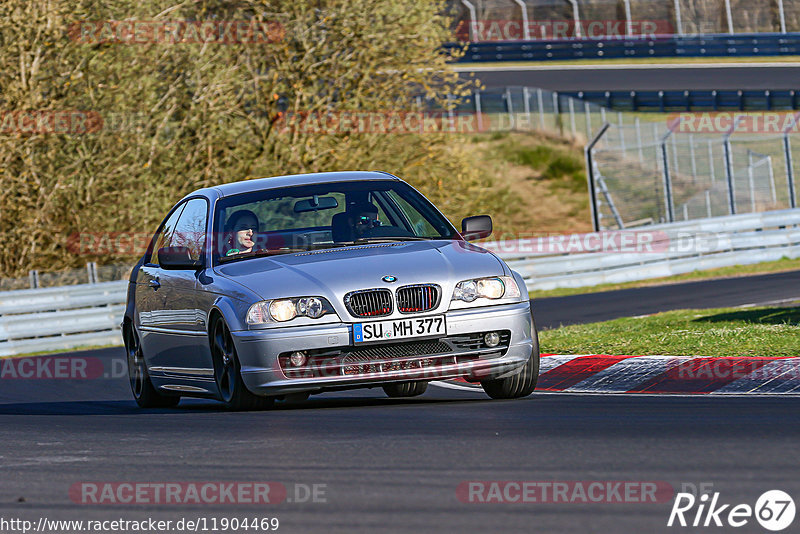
(741, 45)
(677, 248)
(649, 169)
(61, 318)
(656, 174)
(91, 274)
(681, 17)
(692, 100)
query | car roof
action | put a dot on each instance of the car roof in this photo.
(276, 182)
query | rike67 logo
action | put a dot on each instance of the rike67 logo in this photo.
(774, 510)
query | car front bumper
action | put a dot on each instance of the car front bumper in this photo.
(259, 350)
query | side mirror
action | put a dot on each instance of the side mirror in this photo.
(177, 258)
(476, 227)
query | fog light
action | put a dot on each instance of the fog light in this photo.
(492, 339)
(297, 359)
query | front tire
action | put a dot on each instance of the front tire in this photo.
(521, 384)
(142, 388)
(228, 372)
(405, 389)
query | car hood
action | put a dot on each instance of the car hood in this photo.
(332, 273)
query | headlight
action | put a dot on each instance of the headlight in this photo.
(282, 310)
(489, 288)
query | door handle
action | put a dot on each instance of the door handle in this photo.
(154, 283)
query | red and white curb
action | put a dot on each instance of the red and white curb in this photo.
(597, 373)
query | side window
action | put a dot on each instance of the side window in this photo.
(190, 232)
(165, 234)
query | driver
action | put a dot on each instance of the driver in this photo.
(363, 217)
(240, 232)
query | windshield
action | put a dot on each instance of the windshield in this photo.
(296, 219)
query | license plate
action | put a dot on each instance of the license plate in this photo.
(399, 329)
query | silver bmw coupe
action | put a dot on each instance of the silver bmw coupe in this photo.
(283, 287)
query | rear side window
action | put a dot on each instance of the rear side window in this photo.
(190, 232)
(165, 234)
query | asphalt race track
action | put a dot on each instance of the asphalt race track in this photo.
(725, 292)
(394, 465)
(640, 77)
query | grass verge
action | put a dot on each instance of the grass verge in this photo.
(766, 331)
(782, 265)
(546, 180)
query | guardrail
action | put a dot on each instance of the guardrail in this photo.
(711, 45)
(62, 318)
(669, 249)
(691, 100)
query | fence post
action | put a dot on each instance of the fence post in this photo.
(751, 181)
(639, 139)
(729, 176)
(782, 16)
(479, 110)
(91, 271)
(691, 155)
(33, 278)
(526, 31)
(675, 152)
(621, 127)
(787, 150)
(590, 178)
(540, 102)
(509, 109)
(669, 212)
(787, 154)
(729, 15)
(473, 20)
(772, 181)
(726, 146)
(576, 17)
(711, 162)
(587, 112)
(526, 97)
(572, 117)
(628, 22)
(450, 114)
(678, 21)
(557, 112)
(708, 203)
